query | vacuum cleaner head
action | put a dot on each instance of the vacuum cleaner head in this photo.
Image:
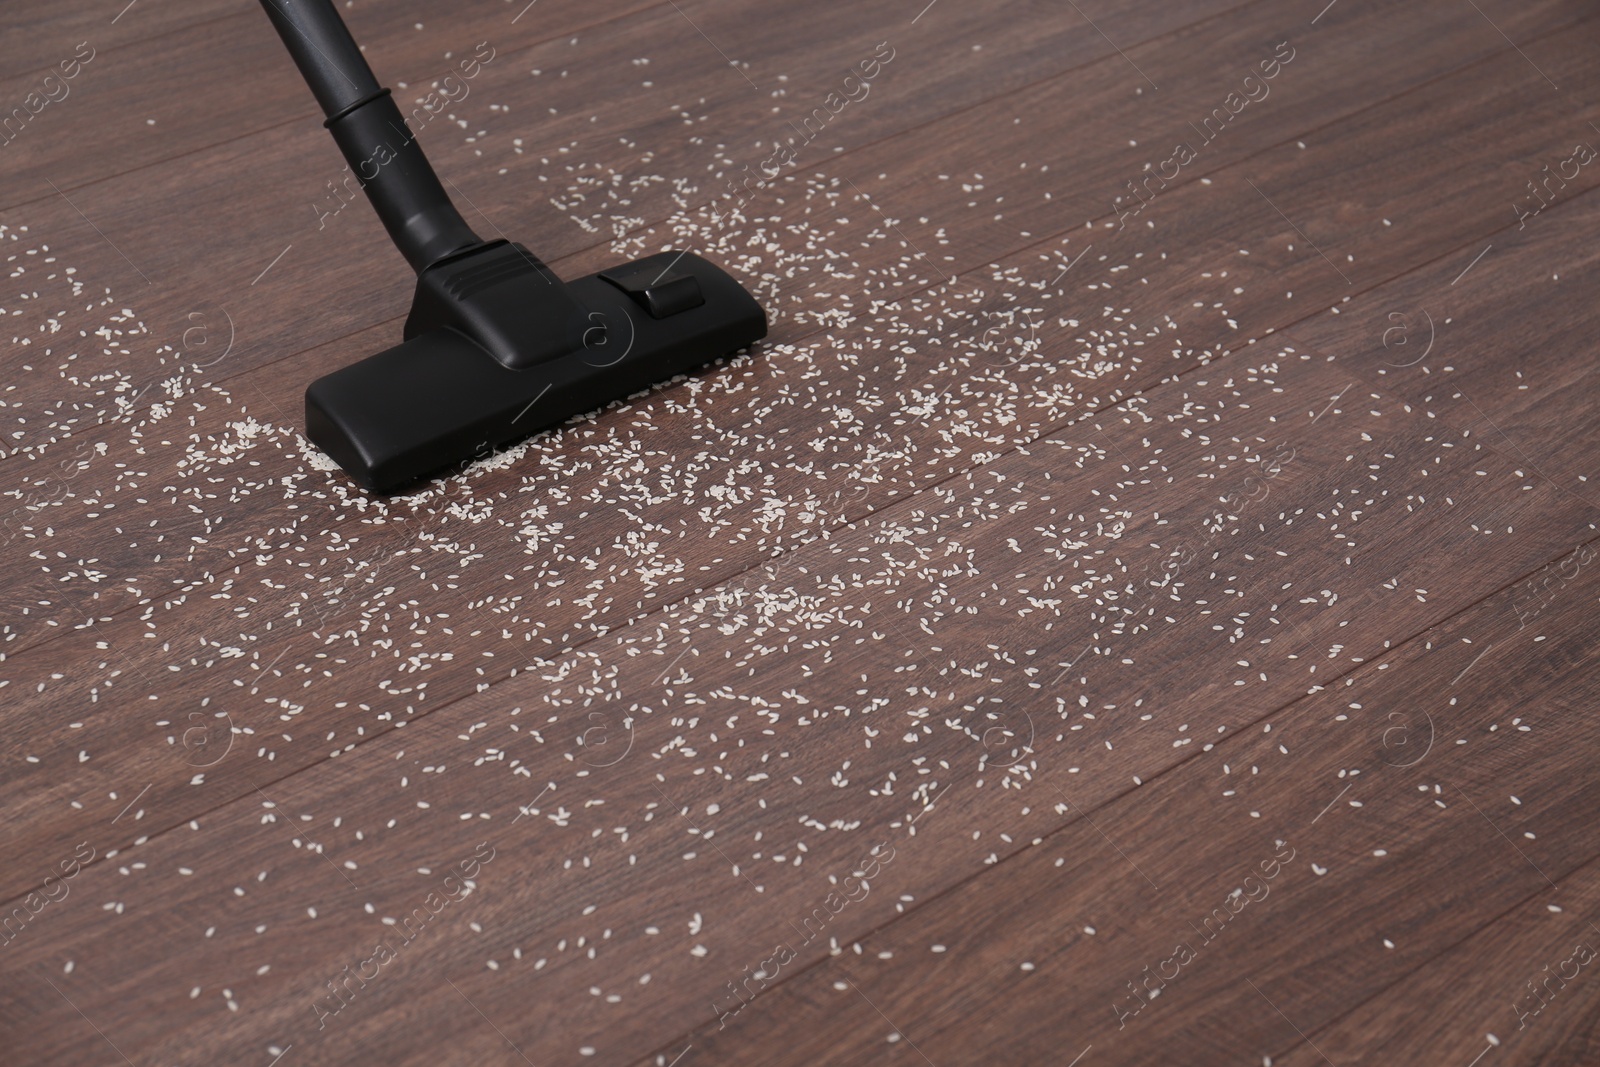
(536, 354)
(496, 346)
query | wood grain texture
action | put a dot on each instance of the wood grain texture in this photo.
(268, 193)
(1406, 816)
(294, 612)
(1072, 552)
(142, 102)
(897, 720)
(38, 33)
(1456, 338)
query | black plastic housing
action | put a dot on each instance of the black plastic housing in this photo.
(441, 398)
(501, 296)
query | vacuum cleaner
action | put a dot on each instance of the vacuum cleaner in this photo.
(496, 347)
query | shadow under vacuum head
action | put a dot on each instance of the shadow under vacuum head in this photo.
(496, 346)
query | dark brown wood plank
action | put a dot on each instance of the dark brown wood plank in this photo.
(39, 37)
(593, 177)
(1455, 340)
(1362, 834)
(189, 622)
(536, 140)
(288, 392)
(1521, 979)
(778, 721)
(885, 648)
(145, 103)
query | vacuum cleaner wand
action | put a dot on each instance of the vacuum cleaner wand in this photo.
(496, 346)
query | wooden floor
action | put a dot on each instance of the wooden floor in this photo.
(1138, 606)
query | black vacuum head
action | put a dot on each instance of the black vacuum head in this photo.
(542, 354)
(496, 346)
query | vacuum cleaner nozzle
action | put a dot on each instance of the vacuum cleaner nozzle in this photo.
(542, 356)
(496, 346)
